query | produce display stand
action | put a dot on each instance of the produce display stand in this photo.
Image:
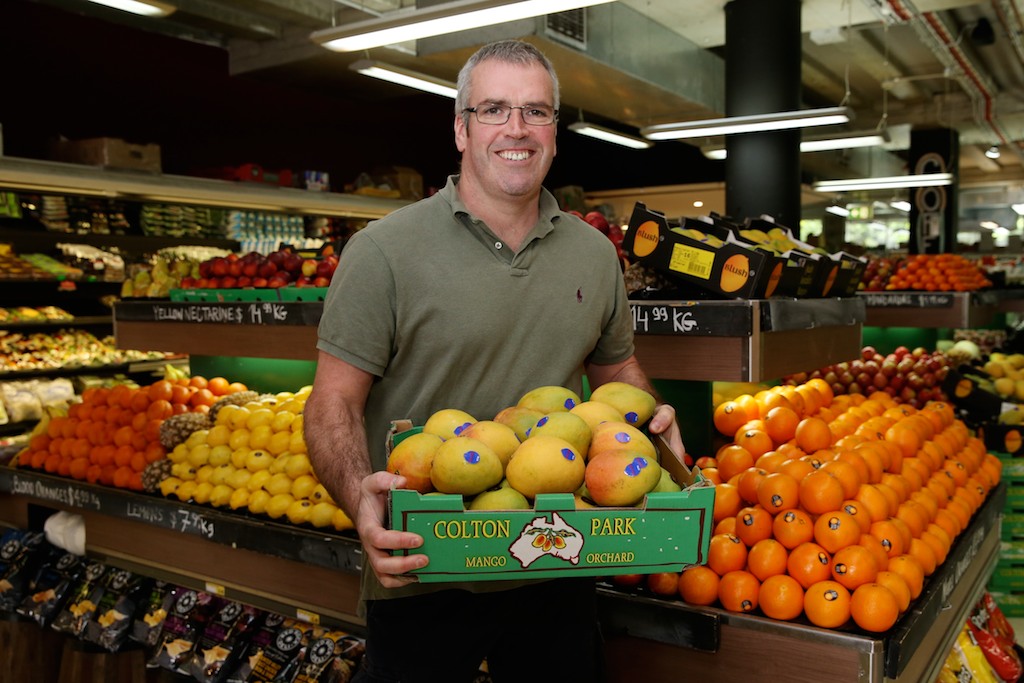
(939, 309)
(745, 340)
(655, 640)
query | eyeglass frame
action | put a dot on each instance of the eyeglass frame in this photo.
(522, 109)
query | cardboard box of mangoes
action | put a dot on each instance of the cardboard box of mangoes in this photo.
(660, 518)
(693, 253)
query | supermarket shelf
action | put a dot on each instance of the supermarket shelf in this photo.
(27, 241)
(745, 340)
(77, 321)
(652, 639)
(54, 177)
(939, 309)
(132, 368)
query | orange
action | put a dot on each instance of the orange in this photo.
(777, 492)
(767, 558)
(854, 566)
(161, 390)
(938, 546)
(780, 424)
(797, 468)
(754, 441)
(753, 524)
(770, 461)
(698, 585)
(836, 530)
(892, 498)
(898, 585)
(726, 526)
(846, 473)
(218, 386)
(748, 483)
(820, 492)
(726, 553)
(874, 607)
(809, 563)
(890, 535)
(812, 434)
(732, 460)
(202, 397)
(768, 399)
(159, 410)
(872, 455)
(795, 399)
(727, 501)
(197, 381)
(914, 515)
(924, 554)
(859, 512)
(823, 389)
(904, 436)
(812, 399)
(948, 522)
(927, 500)
(781, 597)
(180, 394)
(793, 527)
(729, 416)
(957, 471)
(750, 407)
(910, 569)
(236, 387)
(827, 604)
(738, 590)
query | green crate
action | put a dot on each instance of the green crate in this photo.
(302, 293)
(1010, 603)
(222, 295)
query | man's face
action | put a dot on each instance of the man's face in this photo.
(512, 158)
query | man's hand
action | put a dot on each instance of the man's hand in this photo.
(664, 422)
(378, 541)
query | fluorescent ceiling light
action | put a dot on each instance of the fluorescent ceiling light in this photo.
(411, 79)
(901, 205)
(817, 144)
(887, 183)
(459, 15)
(147, 8)
(838, 210)
(608, 135)
(730, 125)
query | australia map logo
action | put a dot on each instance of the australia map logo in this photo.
(542, 537)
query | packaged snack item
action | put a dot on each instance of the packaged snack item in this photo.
(81, 605)
(181, 630)
(279, 661)
(112, 619)
(263, 634)
(224, 641)
(21, 552)
(53, 583)
(975, 668)
(988, 628)
(330, 657)
(149, 620)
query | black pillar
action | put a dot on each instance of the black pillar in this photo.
(934, 211)
(762, 75)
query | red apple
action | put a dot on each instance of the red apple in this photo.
(228, 282)
(266, 269)
(251, 269)
(259, 282)
(219, 266)
(321, 281)
(244, 281)
(597, 219)
(326, 268)
(235, 267)
(276, 282)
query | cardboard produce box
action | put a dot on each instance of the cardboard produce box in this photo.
(667, 533)
(729, 270)
(108, 152)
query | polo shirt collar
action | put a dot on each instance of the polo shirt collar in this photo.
(548, 211)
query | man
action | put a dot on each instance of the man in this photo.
(469, 299)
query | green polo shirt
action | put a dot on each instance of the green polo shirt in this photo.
(445, 315)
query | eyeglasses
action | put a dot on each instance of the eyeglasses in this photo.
(499, 114)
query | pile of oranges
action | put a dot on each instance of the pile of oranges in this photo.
(835, 507)
(112, 434)
(938, 273)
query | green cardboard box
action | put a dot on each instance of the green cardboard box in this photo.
(667, 533)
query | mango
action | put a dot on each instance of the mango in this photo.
(549, 399)
(635, 404)
(666, 484)
(622, 478)
(595, 412)
(500, 498)
(521, 420)
(465, 466)
(501, 438)
(448, 422)
(619, 436)
(545, 464)
(412, 458)
(566, 426)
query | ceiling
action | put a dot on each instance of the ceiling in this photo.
(898, 63)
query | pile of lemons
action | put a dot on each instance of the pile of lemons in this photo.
(254, 458)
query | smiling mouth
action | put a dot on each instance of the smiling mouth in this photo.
(514, 156)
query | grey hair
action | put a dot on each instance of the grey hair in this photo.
(510, 52)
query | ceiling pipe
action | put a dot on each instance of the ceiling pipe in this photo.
(941, 41)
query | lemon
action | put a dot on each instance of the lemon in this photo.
(220, 455)
(221, 474)
(199, 455)
(226, 415)
(258, 460)
(278, 505)
(238, 439)
(298, 423)
(320, 495)
(303, 486)
(297, 444)
(218, 435)
(220, 495)
(259, 436)
(322, 514)
(304, 391)
(184, 471)
(278, 483)
(298, 512)
(257, 480)
(259, 417)
(238, 417)
(239, 479)
(201, 493)
(185, 490)
(297, 465)
(341, 521)
(196, 438)
(282, 421)
(239, 499)
(279, 442)
(204, 473)
(258, 502)
(179, 454)
(169, 485)
(239, 456)
(294, 406)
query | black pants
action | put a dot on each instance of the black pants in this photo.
(544, 631)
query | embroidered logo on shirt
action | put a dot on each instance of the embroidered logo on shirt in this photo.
(579, 295)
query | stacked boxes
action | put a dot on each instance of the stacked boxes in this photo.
(1007, 581)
